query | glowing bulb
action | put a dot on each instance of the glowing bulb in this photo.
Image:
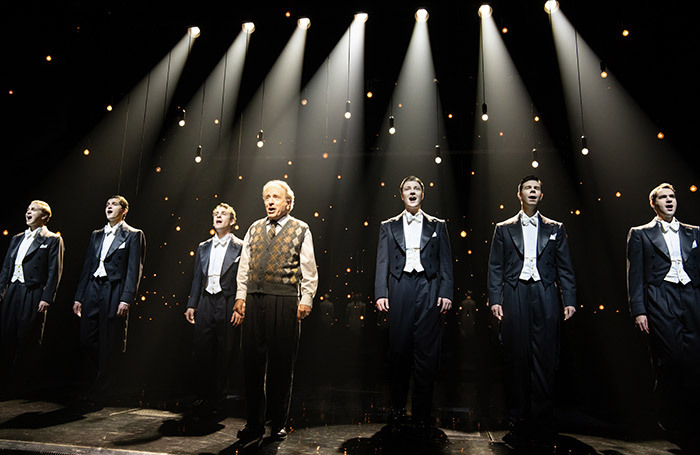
(304, 23)
(438, 160)
(109, 108)
(392, 125)
(551, 6)
(348, 114)
(362, 17)
(535, 164)
(248, 27)
(485, 11)
(194, 32)
(261, 140)
(422, 15)
(484, 112)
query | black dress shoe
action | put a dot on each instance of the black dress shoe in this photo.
(278, 434)
(249, 435)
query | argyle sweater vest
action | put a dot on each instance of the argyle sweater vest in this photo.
(274, 263)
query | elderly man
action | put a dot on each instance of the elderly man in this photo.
(277, 280)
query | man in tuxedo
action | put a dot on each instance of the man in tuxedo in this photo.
(210, 307)
(414, 284)
(529, 268)
(108, 285)
(277, 280)
(663, 286)
(29, 279)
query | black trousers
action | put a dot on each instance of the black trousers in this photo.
(270, 340)
(213, 345)
(102, 333)
(529, 333)
(414, 341)
(673, 313)
(21, 332)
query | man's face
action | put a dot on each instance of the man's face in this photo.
(222, 219)
(35, 216)
(665, 205)
(530, 194)
(412, 196)
(114, 211)
(276, 203)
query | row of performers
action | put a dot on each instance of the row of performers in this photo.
(266, 283)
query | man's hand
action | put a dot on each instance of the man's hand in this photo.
(569, 311)
(302, 311)
(444, 304)
(189, 315)
(497, 311)
(43, 306)
(123, 309)
(238, 312)
(77, 307)
(641, 323)
(383, 304)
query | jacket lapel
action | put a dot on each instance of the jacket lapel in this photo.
(516, 233)
(544, 230)
(397, 231)
(429, 226)
(230, 257)
(38, 240)
(204, 255)
(685, 236)
(653, 232)
(119, 238)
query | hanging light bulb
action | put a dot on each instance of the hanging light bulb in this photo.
(485, 11)
(484, 112)
(261, 140)
(182, 118)
(550, 6)
(248, 27)
(422, 15)
(392, 127)
(535, 164)
(603, 70)
(584, 146)
(348, 114)
(304, 23)
(194, 32)
(438, 156)
(198, 155)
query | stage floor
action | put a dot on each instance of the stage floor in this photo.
(35, 426)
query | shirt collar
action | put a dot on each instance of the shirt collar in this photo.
(279, 222)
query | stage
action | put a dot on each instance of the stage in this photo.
(319, 427)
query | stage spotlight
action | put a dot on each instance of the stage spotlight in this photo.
(550, 6)
(194, 32)
(438, 155)
(584, 146)
(362, 17)
(304, 23)
(198, 155)
(261, 140)
(392, 126)
(348, 114)
(485, 11)
(248, 27)
(484, 112)
(182, 118)
(422, 15)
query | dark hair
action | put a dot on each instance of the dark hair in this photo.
(122, 201)
(655, 192)
(411, 178)
(527, 178)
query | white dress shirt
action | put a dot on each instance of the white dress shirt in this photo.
(307, 263)
(216, 262)
(530, 226)
(29, 237)
(412, 231)
(676, 273)
(110, 233)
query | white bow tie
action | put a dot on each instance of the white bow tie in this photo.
(525, 220)
(110, 230)
(221, 242)
(29, 233)
(418, 217)
(673, 225)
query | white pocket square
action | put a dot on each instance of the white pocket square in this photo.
(237, 259)
(695, 244)
(434, 234)
(46, 246)
(553, 236)
(122, 246)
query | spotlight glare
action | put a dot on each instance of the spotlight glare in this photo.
(422, 15)
(304, 23)
(194, 32)
(551, 6)
(362, 17)
(248, 27)
(485, 11)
